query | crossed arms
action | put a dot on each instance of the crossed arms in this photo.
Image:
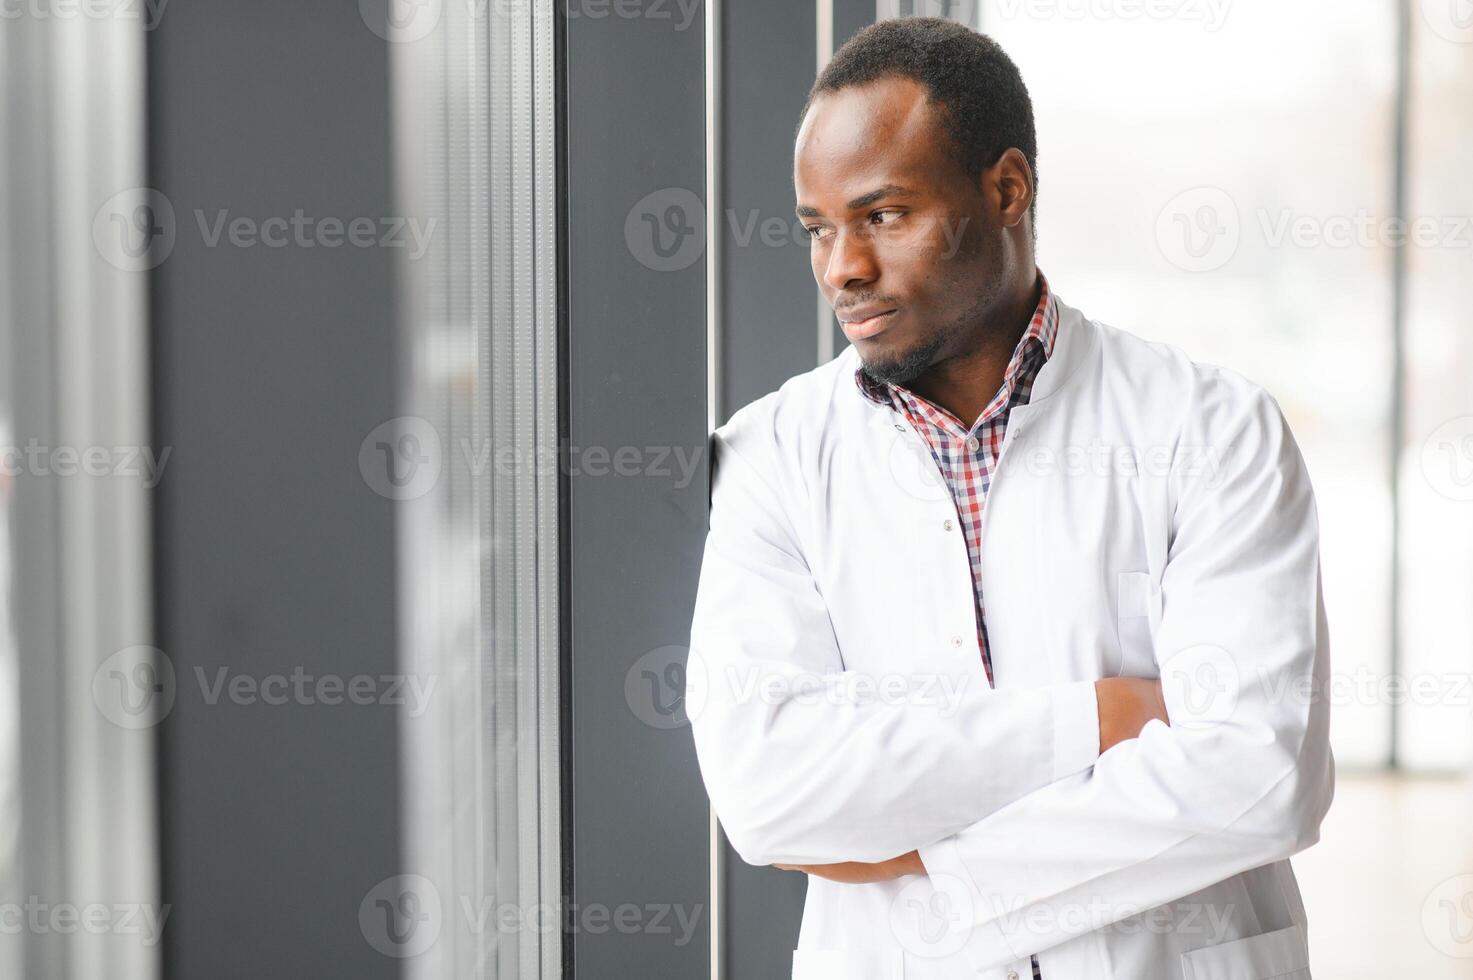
(1125, 705)
(1030, 795)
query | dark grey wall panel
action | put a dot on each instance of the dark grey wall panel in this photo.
(768, 297)
(635, 118)
(853, 16)
(769, 333)
(273, 555)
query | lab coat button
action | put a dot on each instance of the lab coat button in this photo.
(1012, 975)
(956, 641)
(946, 525)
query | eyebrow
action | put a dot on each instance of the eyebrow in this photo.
(862, 201)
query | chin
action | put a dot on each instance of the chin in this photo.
(895, 366)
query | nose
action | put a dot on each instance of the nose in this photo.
(851, 261)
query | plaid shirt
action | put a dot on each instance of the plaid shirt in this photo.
(967, 456)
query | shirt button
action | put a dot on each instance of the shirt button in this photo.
(972, 442)
(946, 524)
(956, 641)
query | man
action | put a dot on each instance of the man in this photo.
(945, 569)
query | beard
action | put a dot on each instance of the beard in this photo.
(961, 335)
(903, 367)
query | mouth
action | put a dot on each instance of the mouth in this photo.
(869, 326)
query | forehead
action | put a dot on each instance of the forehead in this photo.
(872, 133)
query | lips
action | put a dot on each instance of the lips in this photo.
(866, 324)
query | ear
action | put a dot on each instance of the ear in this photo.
(1008, 186)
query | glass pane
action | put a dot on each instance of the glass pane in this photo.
(77, 779)
(1240, 221)
(11, 882)
(1437, 460)
(472, 468)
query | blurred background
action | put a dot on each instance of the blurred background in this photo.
(357, 365)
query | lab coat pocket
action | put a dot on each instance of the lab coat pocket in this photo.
(1279, 955)
(848, 964)
(1137, 610)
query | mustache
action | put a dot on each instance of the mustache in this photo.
(855, 304)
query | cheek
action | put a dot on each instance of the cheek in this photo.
(938, 235)
(928, 249)
(921, 275)
(956, 241)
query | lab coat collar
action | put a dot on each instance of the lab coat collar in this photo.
(1077, 343)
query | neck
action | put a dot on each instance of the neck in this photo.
(965, 384)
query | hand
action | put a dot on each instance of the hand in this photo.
(859, 872)
(1126, 705)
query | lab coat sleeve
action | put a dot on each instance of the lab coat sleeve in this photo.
(809, 763)
(1243, 774)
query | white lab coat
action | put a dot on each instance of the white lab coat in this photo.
(1149, 516)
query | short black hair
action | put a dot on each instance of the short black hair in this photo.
(980, 91)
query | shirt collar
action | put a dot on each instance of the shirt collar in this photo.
(1043, 328)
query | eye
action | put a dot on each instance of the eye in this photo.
(815, 232)
(874, 217)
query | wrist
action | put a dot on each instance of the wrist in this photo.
(1104, 695)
